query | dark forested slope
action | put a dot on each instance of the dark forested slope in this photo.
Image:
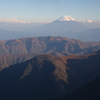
(46, 76)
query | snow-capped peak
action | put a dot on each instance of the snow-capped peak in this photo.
(66, 18)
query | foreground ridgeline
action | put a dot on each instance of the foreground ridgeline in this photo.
(46, 76)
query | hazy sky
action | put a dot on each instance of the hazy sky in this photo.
(49, 10)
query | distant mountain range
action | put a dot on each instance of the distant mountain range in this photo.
(88, 35)
(45, 77)
(65, 26)
(20, 50)
(60, 26)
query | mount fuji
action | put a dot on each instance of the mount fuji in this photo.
(66, 18)
(65, 26)
(59, 27)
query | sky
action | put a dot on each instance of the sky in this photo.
(48, 10)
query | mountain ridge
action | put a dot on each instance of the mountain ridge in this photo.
(43, 44)
(11, 50)
(47, 76)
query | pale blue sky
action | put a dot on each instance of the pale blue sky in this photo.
(49, 10)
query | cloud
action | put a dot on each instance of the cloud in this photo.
(21, 21)
(28, 22)
(86, 21)
(89, 21)
(13, 21)
(98, 22)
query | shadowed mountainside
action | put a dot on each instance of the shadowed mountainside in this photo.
(46, 76)
(90, 91)
(39, 78)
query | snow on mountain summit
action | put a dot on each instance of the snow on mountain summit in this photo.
(66, 18)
